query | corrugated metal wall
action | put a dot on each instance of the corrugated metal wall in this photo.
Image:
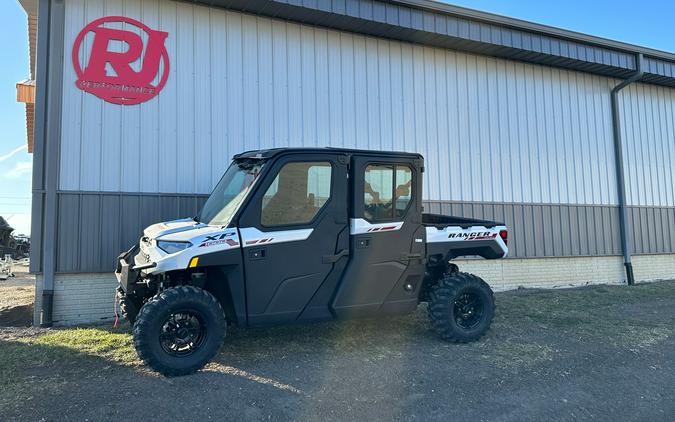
(492, 130)
(529, 145)
(96, 227)
(648, 134)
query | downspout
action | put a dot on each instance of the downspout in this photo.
(49, 207)
(51, 26)
(41, 150)
(626, 245)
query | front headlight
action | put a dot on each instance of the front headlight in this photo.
(172, 247)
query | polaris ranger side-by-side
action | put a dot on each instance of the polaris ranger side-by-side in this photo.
(293, 235)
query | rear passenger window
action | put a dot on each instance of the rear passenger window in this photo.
(387, 192)
(297, 194)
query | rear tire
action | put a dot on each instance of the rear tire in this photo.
(461, 307)
(179, 330)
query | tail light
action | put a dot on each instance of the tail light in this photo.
(505, 236)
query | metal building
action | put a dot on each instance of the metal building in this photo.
(515, 119)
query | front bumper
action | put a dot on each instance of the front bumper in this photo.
(128, 271)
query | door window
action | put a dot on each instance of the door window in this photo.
(297, 194)
(387, 192)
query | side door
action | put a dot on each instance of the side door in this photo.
(387, 239)
(294, 234)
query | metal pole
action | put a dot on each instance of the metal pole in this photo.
(626, 245)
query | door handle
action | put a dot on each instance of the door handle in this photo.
(255, 254)
(410, 256)
(331, 259)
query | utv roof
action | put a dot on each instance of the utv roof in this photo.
(269, 153)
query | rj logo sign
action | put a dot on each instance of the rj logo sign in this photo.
(134, 74)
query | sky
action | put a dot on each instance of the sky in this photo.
(648, 24)
(15, 162)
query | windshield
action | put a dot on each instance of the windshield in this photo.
(230, 192)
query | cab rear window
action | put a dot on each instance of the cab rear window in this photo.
(387, 192)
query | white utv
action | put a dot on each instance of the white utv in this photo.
(296, 235)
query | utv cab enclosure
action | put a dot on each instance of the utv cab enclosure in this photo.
(303, 234)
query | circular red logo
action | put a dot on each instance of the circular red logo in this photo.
(115, 76)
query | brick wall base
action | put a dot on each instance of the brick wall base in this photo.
(87, 298)
(80, 298)
(507, 274)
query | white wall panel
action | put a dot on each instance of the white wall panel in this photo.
(149, 141)
(490, 129)
(648, 135)
(167, 156)
(131, 124)
(112, 168)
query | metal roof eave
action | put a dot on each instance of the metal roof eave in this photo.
(441, 25)
(537, 28)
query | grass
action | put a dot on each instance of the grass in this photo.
(109, 344)
(528, 331)
(47, 363)
(512, 354)
(66, 346)
(590, 313)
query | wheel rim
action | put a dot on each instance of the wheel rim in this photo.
(468, 310)
(182, 333)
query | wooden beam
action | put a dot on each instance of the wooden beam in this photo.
(25, 92)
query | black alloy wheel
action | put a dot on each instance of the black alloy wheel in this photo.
(183, 333)
(468, 310)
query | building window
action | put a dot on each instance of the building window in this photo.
(297, 194)
(387, 192)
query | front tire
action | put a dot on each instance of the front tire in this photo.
(179, 330)
(461, 307)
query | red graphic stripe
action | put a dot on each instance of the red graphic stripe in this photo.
(381, 229)
(482, 237)
(259, 241)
